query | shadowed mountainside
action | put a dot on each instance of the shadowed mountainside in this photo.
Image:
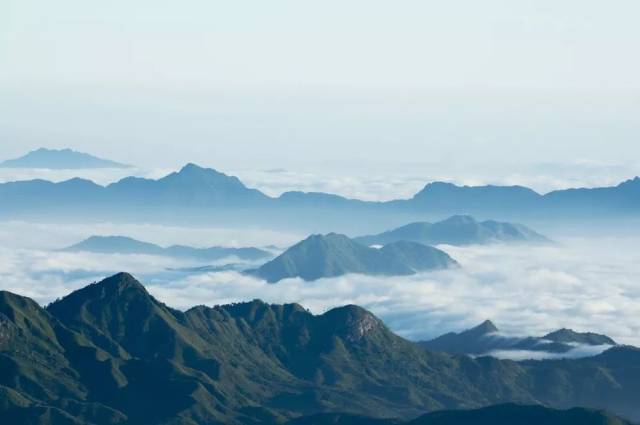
(503, 414)
(110, 353)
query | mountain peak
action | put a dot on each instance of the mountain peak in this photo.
(12, 302)
(208, 182)
(195, 171)
(486, 327)
(439, 185)
(121, 288)
(565, 335)
(459, 219)
(634, 182)
(351, 322)
(457, 230)
(190, 167)
(60, 159)
(190, 186)
(122, 280)
(436, 187)
(330, 237)
(451, 197)
(319, 256)
(122, 314)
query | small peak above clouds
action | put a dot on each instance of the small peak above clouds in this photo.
(60, 159)
(570, 336)
(485, 327)
(320, 256)
(128, 245)
(457, 230)
(485, 339)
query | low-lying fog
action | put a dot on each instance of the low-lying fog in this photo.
(583, 284)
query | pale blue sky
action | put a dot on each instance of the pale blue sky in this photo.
(283, 83)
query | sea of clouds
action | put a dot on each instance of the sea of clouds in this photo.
(583, 284)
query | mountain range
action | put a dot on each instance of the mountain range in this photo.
(127, 245)
(333, 255)
(485, 339)
(60, 159)
(502, 414)
(110, 353)
(456, 230)
(196, 194)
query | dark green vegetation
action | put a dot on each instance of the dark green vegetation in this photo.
(110, 353)
(331, 255)
(59, 159)
(456, 230)
(485, 338)
(503, 414)
(126, 245)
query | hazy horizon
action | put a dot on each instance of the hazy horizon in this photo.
(535, 93)
(170, 301)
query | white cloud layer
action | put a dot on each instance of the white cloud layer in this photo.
(574, 353)
(19, 234)
(379, 182)
(586, 285)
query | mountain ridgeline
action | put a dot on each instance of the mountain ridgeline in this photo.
(333, 255)
(127, 245)
(503, 414)
(110, 353)
(456, 230)
(196, 194)
(60, 159)
(485, 339)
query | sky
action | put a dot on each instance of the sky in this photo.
(365, 98)
(539, 92)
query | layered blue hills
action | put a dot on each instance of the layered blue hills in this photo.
(203, 194)
(457, 230)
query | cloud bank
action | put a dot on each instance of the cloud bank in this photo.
(583, 284)
(575, 353)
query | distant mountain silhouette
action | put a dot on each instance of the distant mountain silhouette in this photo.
(58, 159)
(502, 414)
(110, 353)
(485, 338)
(333, 254)
(456, 230)
(191, 186)
(517, 200)
(568, 336)
(448, 196)
(126, 245)
(196, 194)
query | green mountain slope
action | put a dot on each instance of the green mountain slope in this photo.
(111, 353)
